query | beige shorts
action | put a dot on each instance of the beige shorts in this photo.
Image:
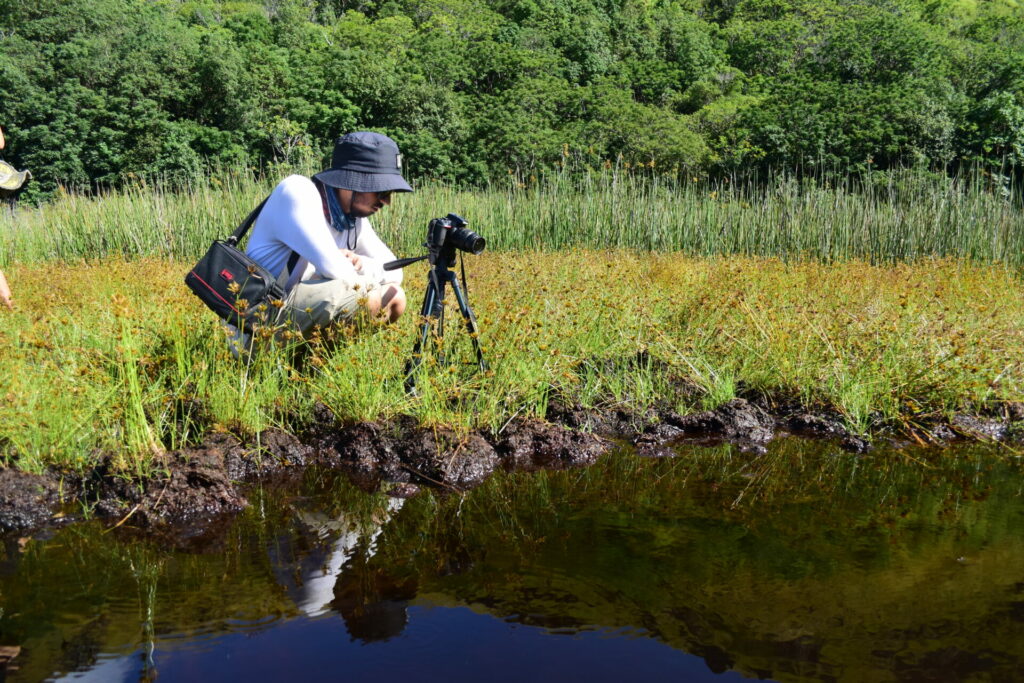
(318, 303)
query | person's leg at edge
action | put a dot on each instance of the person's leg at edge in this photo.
(319, 303)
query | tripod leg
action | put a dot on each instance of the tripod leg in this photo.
(471, 326)
(439, 332)
(430, 299)
(437, 313)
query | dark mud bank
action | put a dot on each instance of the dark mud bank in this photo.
(191, 488)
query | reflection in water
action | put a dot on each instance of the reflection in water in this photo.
(310, 576)
(324, 568)
(107, 669)
(802, 564)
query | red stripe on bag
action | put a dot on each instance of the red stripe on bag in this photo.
(216, 293)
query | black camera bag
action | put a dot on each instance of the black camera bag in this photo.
(213, 280)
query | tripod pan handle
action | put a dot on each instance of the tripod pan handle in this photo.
(402, 262)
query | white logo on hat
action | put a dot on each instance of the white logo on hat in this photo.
(398, 160)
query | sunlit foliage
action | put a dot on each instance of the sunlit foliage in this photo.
(99, 92)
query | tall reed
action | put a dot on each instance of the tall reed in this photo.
(881, 217)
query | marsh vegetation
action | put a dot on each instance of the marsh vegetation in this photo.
(893, 307)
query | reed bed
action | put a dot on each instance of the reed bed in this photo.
(879, 218)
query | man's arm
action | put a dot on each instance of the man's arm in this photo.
(373, 247)
(293, 216)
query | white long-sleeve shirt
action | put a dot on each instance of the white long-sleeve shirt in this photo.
(293, 219)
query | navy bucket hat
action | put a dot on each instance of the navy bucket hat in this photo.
(365, 162)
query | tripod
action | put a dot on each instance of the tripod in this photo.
(432, 312)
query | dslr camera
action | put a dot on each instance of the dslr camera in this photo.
(445, 235)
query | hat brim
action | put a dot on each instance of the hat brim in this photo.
(11, 179)
(363, 182)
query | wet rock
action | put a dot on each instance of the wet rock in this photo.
(271, 454)
(827, 426)
(532, 444)
(659, 432)
(978, 428)
(736, 420)
(277, 450)
(26, 500)
(809, 424)
(651, 442)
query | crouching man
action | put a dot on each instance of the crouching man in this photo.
(324, 221)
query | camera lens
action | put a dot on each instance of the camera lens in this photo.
(476, 243)
(467, 240)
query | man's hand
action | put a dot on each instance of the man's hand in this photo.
(355, 259)
(5, 293)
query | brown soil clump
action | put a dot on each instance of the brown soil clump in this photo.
(737, 420)
(191, 486)
(26, 500)
(271, 453)
(532, 445)
(196, 487)
(399, 452)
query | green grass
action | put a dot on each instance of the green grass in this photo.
(118, 357)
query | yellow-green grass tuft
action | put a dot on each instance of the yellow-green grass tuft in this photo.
(117, 357)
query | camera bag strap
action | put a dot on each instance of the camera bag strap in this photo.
(243, 227)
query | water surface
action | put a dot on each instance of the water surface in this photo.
(806, 563)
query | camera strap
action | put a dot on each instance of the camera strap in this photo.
(462, 265)
(239, 233)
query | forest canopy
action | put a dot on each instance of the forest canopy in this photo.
(94, 92)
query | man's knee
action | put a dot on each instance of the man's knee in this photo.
(393, 302)
(322, 302)
(372, 303)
